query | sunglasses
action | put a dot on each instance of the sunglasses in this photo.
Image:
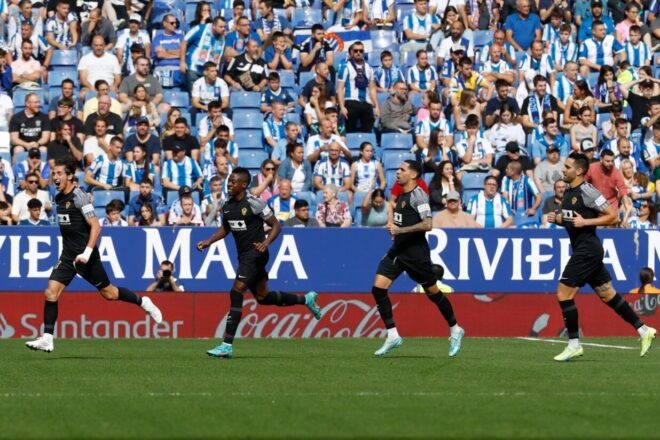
(32, 181)
(358, 50)
(644, 205)
(269, 169)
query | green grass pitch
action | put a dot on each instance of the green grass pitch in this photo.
(336, 388)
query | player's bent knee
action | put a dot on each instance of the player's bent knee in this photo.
(50, 295)
(109, 293)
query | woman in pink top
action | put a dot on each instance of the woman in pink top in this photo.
(266, 184)
(632, 18)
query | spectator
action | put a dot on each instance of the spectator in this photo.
(550, 169)
(181, 170)
(282, 204)
(380, 14)
(296, 169)
(437, 151)
(316, 48)
(190, 213)
(563, 50)
(6, 75)
(476, 152)
(127, 39)
(508, 51)
(538, 103)
(32, 165)
(247, 71)
(387, 74)
(523, 28)
(139, 107)
(601, 49)
(26, 71)
(20, 209)
(113, 216)
(212, 203)
(315, 108)
(182, 139)
(456, 38)
(640, 103)
(520, 191)
(565, 85)
(64, 109)
(237, 41)
(584, 130)
(108, 170)
(607, 90)
(598, 13)
(41, 50)
(366, 172)
(202, 44)
(218, 165)
(625, 152)
(397, 110)
(443, 182)
(99, 26)
(146, 196)
(468, 105)
(34, 207)
(321, 79)
(513, 153)
(608, 128)
(453, 216)
(145, 137)
(333, 212)
(622, 130)
(495, 104)
(538, 62)
(435, 121)
(497, 68)
(5, 212)
(62, 27)
(273, 132)
(209, 88)
(552, 19)
(26, 14)
(170, 122)
(319, 145)
(99, 144)
(375, 209)
(489, 208)
(301, 218)
(150, 83)
(275, 93)
(92, 104)
(642, 190)
(646, 277)
(551, 137)
(637, 52)
(29, 128)
(231, 149)
(293, 137)
(418, 27)
(607, 179)
(278, 56)
(148, 217)
(139, 168)
(266, 183)
(166, 53)
(97, 65)
(210, 128)
(651, 149)
(356, 90)
(467, 79)
(269, 22)
(581, 98)
(422, 76)
(506, 130)
(165, 280)
(64, 145)
(553, 204)
(6, 181)
(646, 217)
(333, 170)
(202, 14)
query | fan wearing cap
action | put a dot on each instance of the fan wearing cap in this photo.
(549, 170)
(454, 216)
(181, 170)
(127, 38)
(455, 40)
(33, 164)
(589, 149)
(450, 67)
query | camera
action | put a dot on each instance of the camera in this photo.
(167, 274)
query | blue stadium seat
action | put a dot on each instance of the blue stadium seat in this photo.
(416, 99)
(428, 177)
(339, 58)
(396, 141)
(293, 117)
(245, 100)
(390, 179)
(100, 212)
(354, 140)
(252, 159)
(382, 97)
(287, 79)
(301, 20)
(177, 99)
(20, 94)
(102, 198)
(408, 59)
(304, 78)
(173, 196)
(473, 180)
(482, 38)
(6, 155)
(403, 10)
(247, 118)
(56, 77)
(248, 139)
(21, 156)
(392, 159)
(381, 39)
(64, 59)
(522, 220)
(467, 195)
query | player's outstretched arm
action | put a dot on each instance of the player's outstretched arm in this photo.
(217, 235)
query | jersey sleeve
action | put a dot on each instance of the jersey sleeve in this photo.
(82, 201)
(594, 199)
(420, 202)
(260, 208)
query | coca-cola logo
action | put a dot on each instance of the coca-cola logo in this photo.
(342, 318)
(645, 305)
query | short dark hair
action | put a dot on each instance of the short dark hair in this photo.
(69, 164)
(181, 121)
(488, 178)
(34, 204)
(414, 165)
(211, 106)
(146, 179)
(548, 121)
(385, 53)
(244, 173)
(597, 23)
(99, 82)
(317, 27)
(114, 205)
(465, 61)
(605, 153)
(273, 76)
(581, 161)
(472, 121)
(501, 83)
(67, 81)
(208, 65)
(300, 203)
(538, 79)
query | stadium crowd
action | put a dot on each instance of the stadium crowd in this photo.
(158, 100)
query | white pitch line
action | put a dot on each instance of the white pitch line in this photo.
(588, 344)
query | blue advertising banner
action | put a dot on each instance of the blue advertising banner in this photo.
(327, 260)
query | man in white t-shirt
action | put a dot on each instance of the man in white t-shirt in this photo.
(19, 209)
(209, 88)
(98, 65)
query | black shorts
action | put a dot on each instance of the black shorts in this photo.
(419, 269)
(252, 268)
(584, 269)
(93, 272)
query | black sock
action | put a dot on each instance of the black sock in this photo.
(619, 305)
(570, 312)
(235, 315)
(282, 299)
(444, 306)
(128, 296)
(50, 316)
(384, 306)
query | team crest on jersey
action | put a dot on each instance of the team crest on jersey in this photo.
(244, 211)
(573, 200)
(403, 204)
(67, 205)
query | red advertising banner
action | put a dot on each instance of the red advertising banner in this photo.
(186, 315)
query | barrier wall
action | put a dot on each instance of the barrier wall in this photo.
(85, 315)
(327, 260)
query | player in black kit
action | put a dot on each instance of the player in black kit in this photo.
(582, 210)
(80, 231)
(410, 253)
(244, 216)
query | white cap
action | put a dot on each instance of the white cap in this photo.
(135, 17)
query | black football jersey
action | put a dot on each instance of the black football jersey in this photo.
(587, 201)
(411, 208)
(73, 210)
(245, 219)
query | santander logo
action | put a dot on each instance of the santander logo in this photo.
(342, 318)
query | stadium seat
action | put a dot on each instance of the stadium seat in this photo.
(396, 141)
(473, 180)
(56, 77)
(6, 155)
(293, 117)
(390, 179)
(304, 78)
(339, 58)
(416, 99)
(358, 198)
(403, 10)
(354, 140)
(100, 212)
(20, 94)
(382, 97)
(408, 59)
(177, 98)
(467, 195)
(248, 139)
(102, 198)
(64, 59)
(522, 220)
(245, 100)
(482, 38)
(381, 39)
(287, 79)
(173, 196)
(252, 159)
(428, 177)
(392, 159)
(247, 118)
